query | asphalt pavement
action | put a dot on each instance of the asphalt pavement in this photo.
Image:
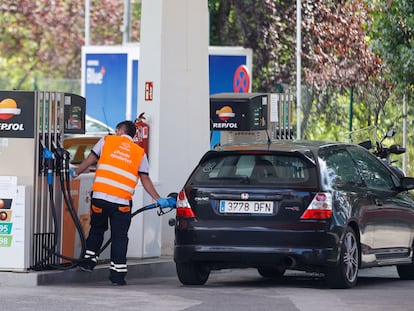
(378, 289)
(152, 285)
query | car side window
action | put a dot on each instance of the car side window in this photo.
(373, 172)
(338, 169)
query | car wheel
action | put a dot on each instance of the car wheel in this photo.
(271, 272)
(406, 272)
(345, 274)
(191, 273)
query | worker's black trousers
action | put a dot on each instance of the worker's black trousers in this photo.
(119, 218)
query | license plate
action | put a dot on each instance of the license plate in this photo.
(246, 207)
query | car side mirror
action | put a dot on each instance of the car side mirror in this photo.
(407, 183)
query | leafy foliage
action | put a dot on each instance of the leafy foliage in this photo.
(335, 57)
(45, 37)
(263, 26)
(392, 38)
(336, 51)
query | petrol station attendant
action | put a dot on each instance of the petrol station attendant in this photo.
(120, 164)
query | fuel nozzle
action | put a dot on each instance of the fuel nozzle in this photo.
(58, 159)
(62, 159)
(48, 157)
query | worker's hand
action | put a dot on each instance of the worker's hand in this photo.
(171, 202)
(163, 202)
(72, 173)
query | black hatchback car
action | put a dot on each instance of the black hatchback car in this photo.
(331, 208)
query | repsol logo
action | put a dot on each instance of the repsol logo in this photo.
(225, 125)
(11, 127)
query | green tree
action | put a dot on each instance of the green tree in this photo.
(43, 38)
(335, 55)
(392, 38)
(267, 27)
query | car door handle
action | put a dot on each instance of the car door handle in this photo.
(378, 202)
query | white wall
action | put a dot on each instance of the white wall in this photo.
(174, 56)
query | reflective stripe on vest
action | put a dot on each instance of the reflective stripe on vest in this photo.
(117, 169)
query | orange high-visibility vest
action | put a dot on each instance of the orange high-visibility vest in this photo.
(117, 168)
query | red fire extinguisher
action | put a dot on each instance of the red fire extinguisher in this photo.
(142, 132)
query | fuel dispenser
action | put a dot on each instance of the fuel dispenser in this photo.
(33, 174)
(250, 117)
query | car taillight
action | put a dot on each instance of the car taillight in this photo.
(320, 207)
(183, 208)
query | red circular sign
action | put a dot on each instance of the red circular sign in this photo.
(241, 80)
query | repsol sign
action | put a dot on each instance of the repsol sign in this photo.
(11, 127)
(17, 114)
(226, 126)
(238, 111)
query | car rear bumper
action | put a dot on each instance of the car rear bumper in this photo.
(303, 249)
(239, 256)
(302, 245)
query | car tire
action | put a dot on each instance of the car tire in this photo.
(345, 274)
(406, 272)
(271, 272)
(191, 273)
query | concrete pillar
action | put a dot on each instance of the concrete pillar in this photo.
(174, 60)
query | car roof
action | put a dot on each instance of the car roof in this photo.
(281, 145)
(95, 126)
(79, 140)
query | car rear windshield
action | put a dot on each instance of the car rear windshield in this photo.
(283, 170)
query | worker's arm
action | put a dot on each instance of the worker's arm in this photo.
(149, 186)
(91, 159)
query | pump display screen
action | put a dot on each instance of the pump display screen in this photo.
(74, 114)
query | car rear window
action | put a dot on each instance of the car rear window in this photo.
(255, 169)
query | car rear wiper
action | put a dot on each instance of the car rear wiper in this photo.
(243, 179)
